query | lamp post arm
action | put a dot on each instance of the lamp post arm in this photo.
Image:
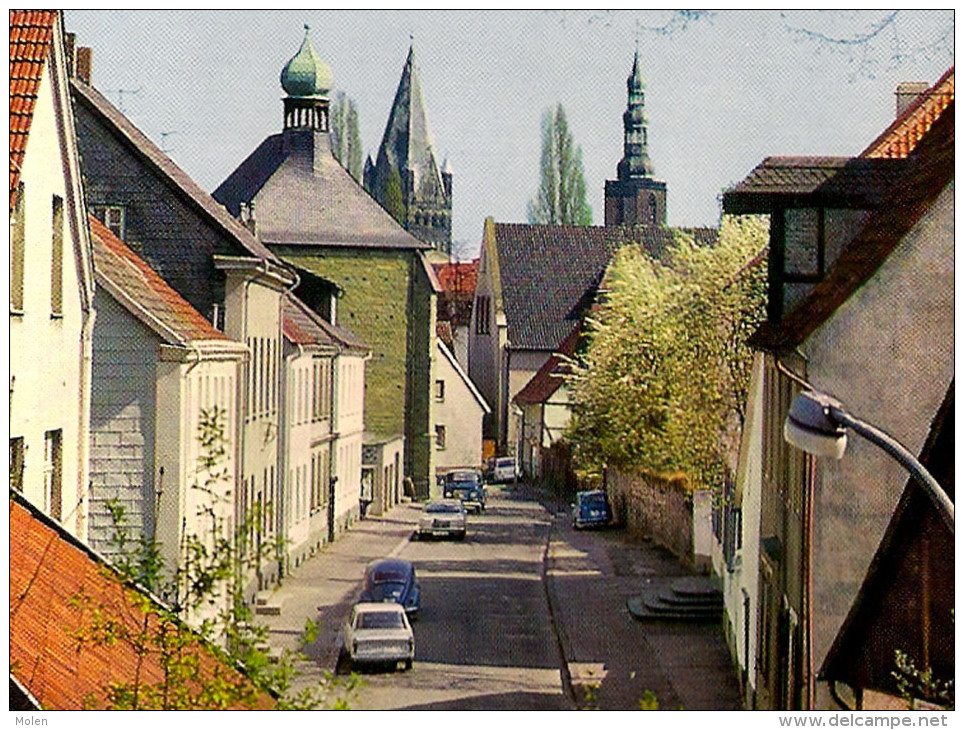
(893, 447)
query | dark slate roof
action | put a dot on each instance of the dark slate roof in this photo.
(890, 608)
(304, 327)
(48, 569)
(147, 295)
(304, 197)
(31, 35)
(813, 181)
(902, 136)
(178, 180)
(549, 274)
(548, 379)
(407, 142)
(927, 173)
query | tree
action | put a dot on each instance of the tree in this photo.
(346, 143)
(394, 197)
(663, 383)
(562, 186)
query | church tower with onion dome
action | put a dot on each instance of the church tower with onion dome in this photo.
(635, 198)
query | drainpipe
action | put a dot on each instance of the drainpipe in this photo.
(282, 485)
(83, 425)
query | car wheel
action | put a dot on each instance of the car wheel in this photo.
(408, 664)
(461, 535)
(415, 535)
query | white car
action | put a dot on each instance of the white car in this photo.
(504, 469)
(442, 518)
(378, 633)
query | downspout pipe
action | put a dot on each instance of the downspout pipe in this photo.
(281, 521)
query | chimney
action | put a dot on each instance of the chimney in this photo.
(908, 92)
(70, 51)
(82, 64)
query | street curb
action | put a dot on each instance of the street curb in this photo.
(568, 689)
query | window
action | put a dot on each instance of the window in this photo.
(440, 390)
(16, 463)
(112, 216)
(440, 437)
(482, 316)
(17, 250)
(57, 257)
(53, 473)
(653, 213)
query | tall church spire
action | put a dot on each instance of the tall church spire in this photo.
(407, 157)
(635, 162)
(635, 198)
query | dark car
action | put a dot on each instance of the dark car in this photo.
(591, 509)
(392, 580)
(466, 485)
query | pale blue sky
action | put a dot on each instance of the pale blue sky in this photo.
(723, 92)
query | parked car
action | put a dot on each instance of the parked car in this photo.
(379, 633)
(591, 509)
(505, 469)
(442, 518)
(392, 580)
(466, 485)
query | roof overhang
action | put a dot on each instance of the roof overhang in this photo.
(266, 271)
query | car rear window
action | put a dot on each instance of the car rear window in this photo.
(443, 508)
(379, 620)
(505, 462)
(594, 498)
(389, 576)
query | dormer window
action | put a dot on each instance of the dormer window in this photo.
(112, 216)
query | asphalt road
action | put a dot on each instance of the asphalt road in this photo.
(484, 638)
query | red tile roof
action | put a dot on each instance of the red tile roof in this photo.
(48, 569)
(31, 33)
(929, 170)
(458, 278)
(160, 307)
(548, 379)
(902, 136)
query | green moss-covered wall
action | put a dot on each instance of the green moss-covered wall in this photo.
(388, 302)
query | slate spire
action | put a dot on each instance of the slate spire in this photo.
(407, 154)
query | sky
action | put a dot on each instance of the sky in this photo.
(724, 90)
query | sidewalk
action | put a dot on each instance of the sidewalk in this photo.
(325, 587)
(613, 659)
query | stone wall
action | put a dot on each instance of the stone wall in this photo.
(655, 508)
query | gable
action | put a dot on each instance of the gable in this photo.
(31, 38)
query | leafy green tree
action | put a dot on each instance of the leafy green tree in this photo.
(561, 198)
(346, 142)
(663, 382)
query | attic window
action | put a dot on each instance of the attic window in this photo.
(111, 216)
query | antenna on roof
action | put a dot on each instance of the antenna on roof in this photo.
(120, 96)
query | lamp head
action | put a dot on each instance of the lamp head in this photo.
(810, 426)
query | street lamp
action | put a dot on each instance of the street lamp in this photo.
(817, 423)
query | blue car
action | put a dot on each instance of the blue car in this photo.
(467, 485)
(392, 580)
(591, 509)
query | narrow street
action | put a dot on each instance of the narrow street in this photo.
(524, 614)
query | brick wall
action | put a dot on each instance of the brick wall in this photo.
(654, 508)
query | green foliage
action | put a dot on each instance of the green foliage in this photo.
(914, 683)
(562, 185)
(662, 385)
(207, 581)
(394, 197)
(649, 701)
(345, 137)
